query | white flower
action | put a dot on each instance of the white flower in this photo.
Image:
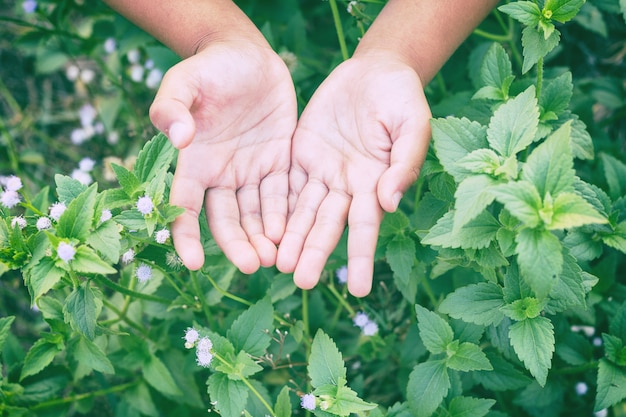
(78, 136)
(370, 328)
(136, 72)
(191, 337)
(66, 251)
(602, 413)
(87, 115)
(113, 137)
(29, 6)
(133, 56)
(72, 72)
(98, 128)
(128, 256)
(144, 205)
(154, 78)
(106, 215)
(596, 341)
(86, 164)
(10, 199)
(205, 344)
(581, 388)
(350, 5)
(173, 260)
(143, 273)
(87, 75)
(56, 210)
(13, 183)
(307, 401)
(361, 319)
(162, 235)
(203, 358)
(82, 177)
(110, 45)
(342, 275)
(43, 223)
(19, 221)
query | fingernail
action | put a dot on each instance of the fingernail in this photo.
(395, 199)
(175, 133)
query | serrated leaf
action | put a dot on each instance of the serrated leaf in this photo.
(68, 188)
(550, 166)
(496, 70)
(154, 156)
(556, 94)
(43, 276)
(615, 175)
(571, 210)
(568, 290)
(428, 385)
(503, 377)
(401, 256)
(611, 385)
(325, 362)
(476, 303)
(582, 143)
(469, 407)
(454, 138)
(344, 401)
(468, 357)
(80, 310)
(472, 197)
(5, 327)
(91, 356)
(39, 356)
(563, 10)
(617, 325)
(535, 46)
(86, 261)
(159, 377)
(251, 331)
(478, 233)
(525, 12)
(435, 332)
(282, 408)
(540, 259)
(106, 239)
(533, 342)
(522, 201)
(229, 396)
(614, 349)
(522, 309)
(514, 124)
(75, 221)
(132, 220)
(127, 180)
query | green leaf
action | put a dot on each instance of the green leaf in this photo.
(478, 233)
(128, 180)
(550, 167)
(81, 310)
(39, 356)
(480, 161)
(343, 401)
(468, 357)
(401, 256)
(159, 377)
(131, 219)
(325, 362)
(617, 325)
(503, 377)
(139, 398)
(540, 259)
(251, 331)
(562, 10)
(556, 94)
(86, 261)
(75, 221)
(106, 239)
(522, 309)
(525, 12)
(522, 200)
(496, 70)
(615, 174)
(533, 342)
(614, 349)
(156, 155)
(617, 239)
(428, 385)
(68, 188)
(469, 407)
(611, 385)
(568, 290)
(472, 197)
(622, 6)
(5, 327)
(571, 210)
(91, 356)
(535, 46)
(243, 367)
(282, 408)
(229, 396)
(514, 124)
(582, 143)
(43, 276)
(477, 303)
(455, 138)
(435, 332)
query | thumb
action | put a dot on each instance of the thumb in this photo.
(170, 110)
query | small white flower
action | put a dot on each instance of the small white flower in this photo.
(133, 56)
(66, 251)
(87, 75)
(113, 137)
(98, 128)
(143, 273)
(602, 413)
(72, 72)
(78, 136)
(29, 6)
(361, 319)
(370, 328)
(87, 115)
(307, 401)
(43, 223)
(10, 199)
(173, 260)
(581, 388)
(106, 215)
(154, 78)
(13, 183)
(162, 235)
(342, 275)
(82, 177)
(136, 72)
(597, 341)
(56, 210)
(86, 164)
(19, 221)
(350, 5)
(191, 337)
(128, 256)
(203, 358)
(205, 344)
(149, 64)
(145, 205)
(110, 45)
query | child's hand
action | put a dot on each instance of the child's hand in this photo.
(231, 110)
(357, 147)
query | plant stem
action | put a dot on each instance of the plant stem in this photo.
(539, 77)
(492, 36)
(79, 397)
(342, 300)
(339, 29)
(125, 319)
(305, 313)
(123, 290)
(201, 300)
(226, 293)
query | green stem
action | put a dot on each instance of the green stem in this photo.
(201, 300)
(123, 290)
(79, 397)
(492, 36)
(577, 369)
(125, 319)
(342, 300)
(339, 29)
(11, 148)
(539, 77)
(429, 291)
(226, 293)
(305, 313)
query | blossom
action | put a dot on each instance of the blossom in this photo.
(173, 260)
(154, 78)
(78, 136)
(72, 72)
(191, 337)
(10, 199)
(370, 328)
(86, 164)
(204, 358)
(602, 413)
(342, 274)
(87, 115)
(128, 256)
(581, 388)
(307, 401)
(110, 45)
(106, 215)
(162, 235)
(19, 221)
(350, 5)
(113, 137)
(361, 319)
(56, 210)
(13, 183)
(136, 72)
(87, 75)
(205, 344)
(143, 273)
(43, 223)
(66, 251)
(82, 177)
(133, 56)
(144, 205)
(29, 6)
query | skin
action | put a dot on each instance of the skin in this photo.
(357, 147)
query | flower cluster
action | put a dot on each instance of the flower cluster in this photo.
(89, 127)
(145, 205)
(162, 236)
(367, 326)
(56, 210)
(143, 273)
(83, 173)
(308, 402)
(342, 275)
(203, 346)
(137, 70)
(10, 196)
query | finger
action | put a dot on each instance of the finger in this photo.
(363, 225)
(252, 223)
(224, 221)
(188, 193)
(298, 178)
(299, 225)
(274, 189)
(170, 110)
(322, 239)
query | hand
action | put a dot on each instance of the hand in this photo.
(357, 147)
(231, 110)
